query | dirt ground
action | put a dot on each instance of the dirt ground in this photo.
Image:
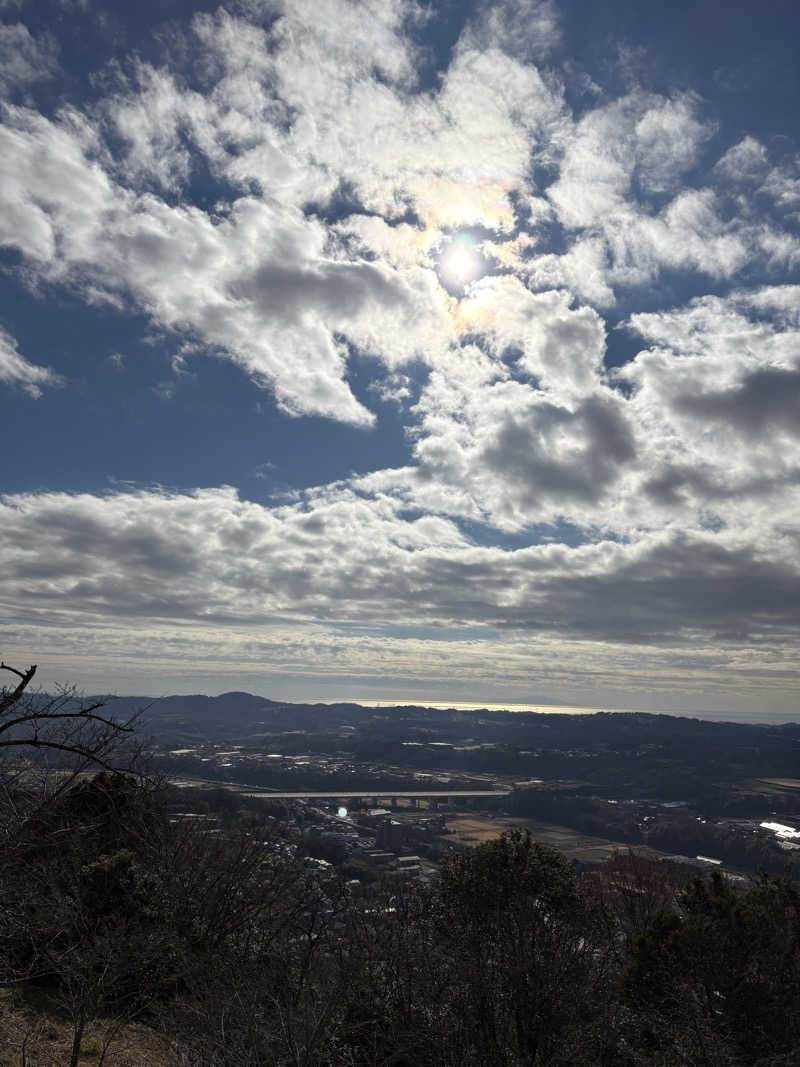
(784, 783)
(475, 829)
(31, 1034)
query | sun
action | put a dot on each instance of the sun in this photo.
(460, 263)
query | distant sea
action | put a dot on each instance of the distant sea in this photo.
(763, 718)
(473, 705)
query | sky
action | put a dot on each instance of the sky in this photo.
(388, 350)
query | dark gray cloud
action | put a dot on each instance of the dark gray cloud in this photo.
(678, 485)
(340, 289)
(766, 400)
(523, 450)
(683, 586)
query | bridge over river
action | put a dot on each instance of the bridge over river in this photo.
(413, 796)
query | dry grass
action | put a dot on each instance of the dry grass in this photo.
(38, 1037)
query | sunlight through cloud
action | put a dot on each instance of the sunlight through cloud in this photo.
(461, 263)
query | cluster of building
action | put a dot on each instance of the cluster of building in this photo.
(404, 844)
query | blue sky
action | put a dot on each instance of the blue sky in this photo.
(365, 348)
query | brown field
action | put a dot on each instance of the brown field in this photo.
(475, 829)
(784, 783)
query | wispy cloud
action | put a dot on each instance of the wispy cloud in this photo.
(24, 58)
(16, 370)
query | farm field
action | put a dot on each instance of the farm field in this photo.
(475, 829)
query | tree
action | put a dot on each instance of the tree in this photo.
(58, 835)
(261, 936)
(528, 953)
(82, 899)
(77, 732)
(718, 982)
(632, 889)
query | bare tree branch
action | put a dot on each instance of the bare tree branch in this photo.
(9, 699)
(66, 725)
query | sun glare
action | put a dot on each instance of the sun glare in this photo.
(460, 263)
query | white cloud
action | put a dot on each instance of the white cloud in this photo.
(781, 301)
(708, 439)
(525, 29)
(395, 147)
(642, 141)
(748, 163)
(668, 140)
(298, 110)
(504, 452)
(717, 397)
(55, 198)
(157, 122)
(561, 347)
(744, 162)
(395, 388)
(621, 162)
(583, 270)
(689, 233)
(16, 370)
(400, 245)
(255, 284)
(783, 184)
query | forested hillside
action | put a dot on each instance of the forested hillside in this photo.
(235, 950)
